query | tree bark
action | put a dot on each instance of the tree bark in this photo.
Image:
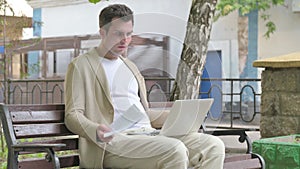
(193, 56)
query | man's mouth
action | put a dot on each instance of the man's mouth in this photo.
(122, 46)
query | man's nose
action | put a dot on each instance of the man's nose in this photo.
(125, 37)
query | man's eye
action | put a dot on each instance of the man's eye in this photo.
(129, 34)
(119, 33)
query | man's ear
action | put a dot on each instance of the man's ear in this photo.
(102, 33)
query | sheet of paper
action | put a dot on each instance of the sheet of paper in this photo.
(126, 120)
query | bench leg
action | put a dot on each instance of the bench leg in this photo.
(12, 159)
(51, 157)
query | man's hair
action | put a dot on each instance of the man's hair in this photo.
(114, 11)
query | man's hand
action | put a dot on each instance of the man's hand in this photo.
(101, 129)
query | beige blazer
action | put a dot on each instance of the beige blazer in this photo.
(88, 103)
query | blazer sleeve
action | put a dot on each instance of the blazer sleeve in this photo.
(75, 119)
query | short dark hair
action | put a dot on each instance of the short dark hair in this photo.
(114, 11)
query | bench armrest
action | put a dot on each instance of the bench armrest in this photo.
(238, 132)
(48, 148)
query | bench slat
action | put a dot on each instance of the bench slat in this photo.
(41, 130)
(35, 107)
(239, 157)
(20, 117)
(69, 161)
(248, 164)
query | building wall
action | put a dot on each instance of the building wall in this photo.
(286, 39)
(150, 17)
(224, 37)
(154, 16)
(160, 17)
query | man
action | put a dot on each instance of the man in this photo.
(100, 85)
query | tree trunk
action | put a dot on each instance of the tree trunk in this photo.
(242, 42)
(193, 56)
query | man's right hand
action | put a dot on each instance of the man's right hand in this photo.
(101, 129)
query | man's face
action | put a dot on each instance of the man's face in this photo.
(118, 36)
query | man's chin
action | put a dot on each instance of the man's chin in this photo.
(121, 51)
(118, 52)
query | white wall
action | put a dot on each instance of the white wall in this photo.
(69, 20)
(153, 16)
(286, 39)
(150, 16)
(158, 16)
(224, 38)
(225, 28)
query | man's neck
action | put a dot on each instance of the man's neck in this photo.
(108, 54)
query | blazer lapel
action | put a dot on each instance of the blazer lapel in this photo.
(140, 79)
(94, 60)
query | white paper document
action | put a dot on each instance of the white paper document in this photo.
(126, 120)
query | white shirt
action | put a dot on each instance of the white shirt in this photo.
(123, 89)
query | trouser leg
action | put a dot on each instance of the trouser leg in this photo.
(146, 152)
(205, 151)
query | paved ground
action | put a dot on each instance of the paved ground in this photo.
(231, 142)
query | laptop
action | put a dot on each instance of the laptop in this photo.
(186, 116)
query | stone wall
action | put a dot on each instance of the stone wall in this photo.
(280, 99)
(280, 102)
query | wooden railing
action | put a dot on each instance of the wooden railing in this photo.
(237, 101)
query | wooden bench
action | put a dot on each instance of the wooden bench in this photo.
(33, 129)
(36, 129)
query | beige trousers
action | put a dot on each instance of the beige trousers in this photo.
(198, 150)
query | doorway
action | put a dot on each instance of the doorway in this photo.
(213, 88)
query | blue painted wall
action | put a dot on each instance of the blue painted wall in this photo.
(249, 70)
(1, 49)
(37, 22)
(33, 57)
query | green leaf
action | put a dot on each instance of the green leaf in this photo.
(265, 17)
(278, 2)
(94, 1)
(224, 7)
(271, 29)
